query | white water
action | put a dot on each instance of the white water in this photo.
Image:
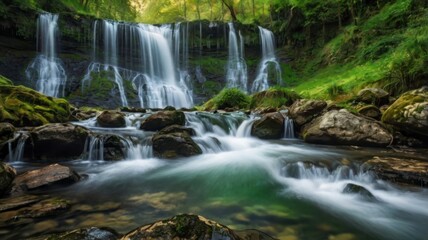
(269, 69)
(236, 76)
(143, 55)
(46, 69)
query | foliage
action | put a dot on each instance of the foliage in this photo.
(5, 81)
(273, 97)
(228, 98)
(334, 90)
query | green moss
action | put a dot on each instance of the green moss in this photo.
(228, 98)
(396, 112)
(4, 81)
(273, 97)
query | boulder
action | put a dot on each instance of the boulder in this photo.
(22, 106)
(114, 149)
(162, 119)
(410, 112)
(111, 119)
(49, 176)
(304, 110)
(7, 174)
(177, 129)
(183, 226)
(351, 188)
(58, 141)
(370, 111)
(173, 145)
(375, 96)
(344, 128)
(269, 126)
(400, 170)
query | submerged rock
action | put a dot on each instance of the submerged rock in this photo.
(409, 171)
(52, 175)
(270, 126)
(351, 188)
(162, 119)
(92, 233)
(182, 227)
(410, 112)
(111, 119)
(374, 96)
(304, 110)
(53, 142)
(344, 128)
(175, 144)
(7, 174)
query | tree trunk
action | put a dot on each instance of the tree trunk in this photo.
(229, 6)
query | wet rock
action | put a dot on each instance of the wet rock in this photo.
(162, 119)
(370, 111)
(182, 227)
(351, 188)
(92, 233)
(53, 142)
(114, 149)
(80, 114)
(344, 128)
(173, 145)
(270, 126)
(410, 112)
(52, 175)
(169, 108)
(7, 132)
(177, 129)
(44, 208)
(304, 110)
(111, 119)
(7, 174)
(133, 110)
(374, 96)
(400, 170)
(7, 204)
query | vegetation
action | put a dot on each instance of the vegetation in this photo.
(228, 98)
(273, 97)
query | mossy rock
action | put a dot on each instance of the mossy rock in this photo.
(7, 174)
(162, 119)
(22, 106)
(410, 112)
(5, 82)
(230, 98)
(274, 97)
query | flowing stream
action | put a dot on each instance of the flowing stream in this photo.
(286, 188)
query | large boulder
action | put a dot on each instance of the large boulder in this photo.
(23, 106)
(340, 127)
(111, 119)
(400, 170)
(173, 145)
(410, 112)
(58, 141)
(269, 126)
(182, 227)
(375, 96)
(304, 110)
(7, 174)
(162, 119)
(49, 176)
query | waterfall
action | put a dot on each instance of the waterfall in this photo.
(17, 153)
(46, 69)
(265, 72)
(236, 76)
(288, 128)
(141, 56)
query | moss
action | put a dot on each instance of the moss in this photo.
(5, 82)
(228, 98)
(273, 97)
(396, 112)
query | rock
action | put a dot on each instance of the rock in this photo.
(169, 108)
(162, 119)
(7, 132)
(53, 142)
(7, 204)
(133, 109)
(182, 227)
(83, 114)
(177, 129)
(44, 208)
(304, 110)
(173, 145)
(22, 106)
(344, 128)
(92, 233)
(7, 174)
(351, 188)
(370, 111)
(270, 126)
(410, 112)
(375, 96)
(409, 171)
(114, 149)
(111, 119)
(49, 176)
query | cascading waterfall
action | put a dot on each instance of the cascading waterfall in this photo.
(288, 128)
(236, 76)
(269, 69)
(141, 55)
(17, 153)
(46, 69)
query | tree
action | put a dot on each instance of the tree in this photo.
(231, 6)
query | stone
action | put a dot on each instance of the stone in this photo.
(111, 119)
(7, 174)
(269, 126)
(183, 226)
(304, 110)
(173, 145)
(114, 149)
(370, 111)
(344, 128)
(177, 129)
(409, 112)
(399, 170)
(162, 119)
(58, 142)
(7, 204)
(49, 176)
(375, 96)
(351, 188)
(7, 132)
(91, 233)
